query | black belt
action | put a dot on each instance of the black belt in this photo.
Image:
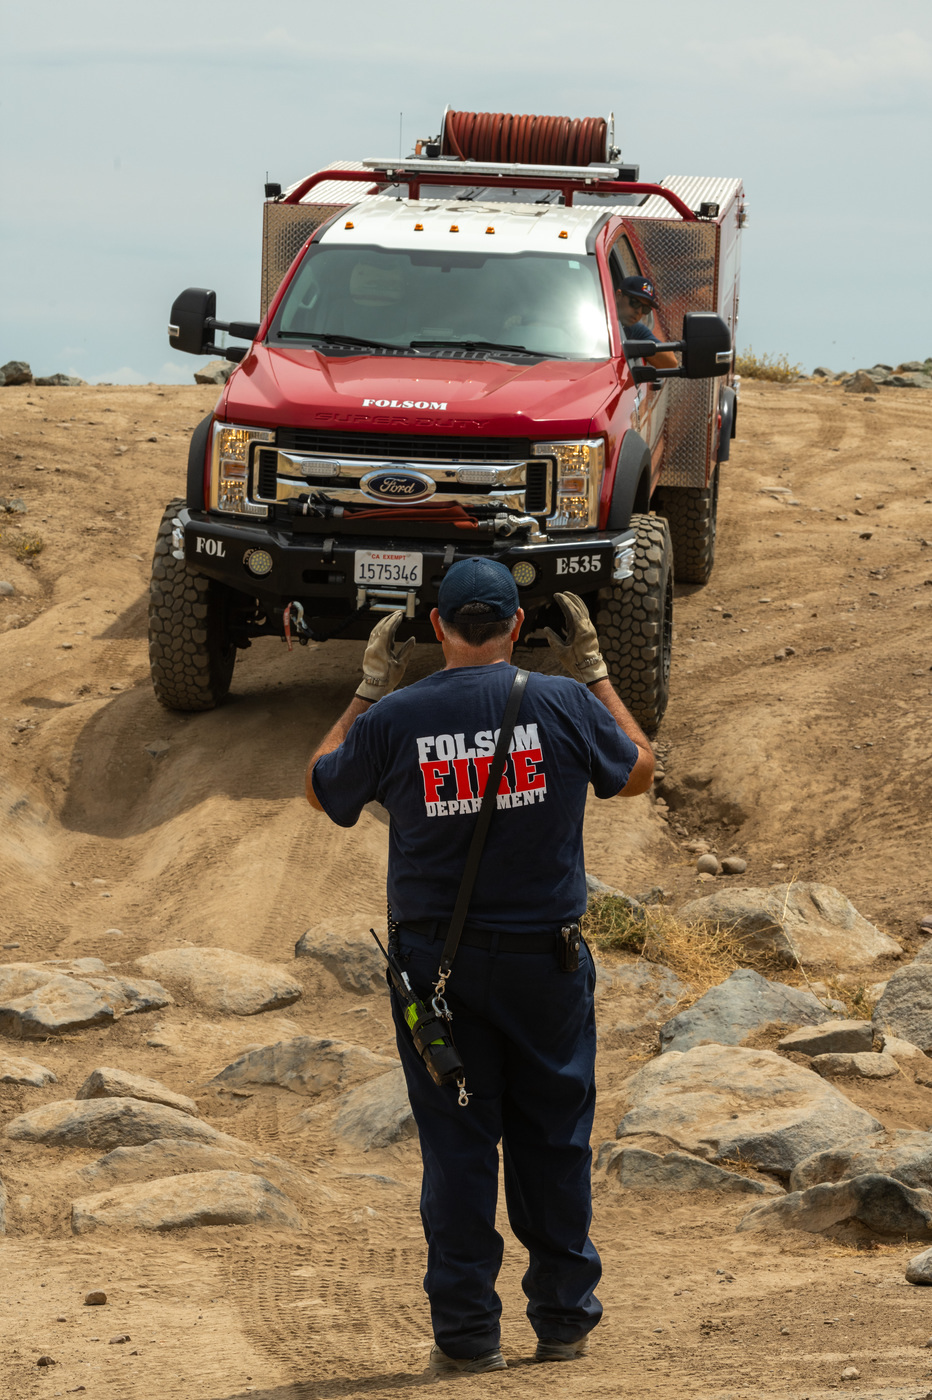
(473, 937)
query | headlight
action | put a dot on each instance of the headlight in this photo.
(579, 481)
(229, 468)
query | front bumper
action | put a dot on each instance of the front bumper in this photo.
(316, 567)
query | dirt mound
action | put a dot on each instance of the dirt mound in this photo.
(797, 737)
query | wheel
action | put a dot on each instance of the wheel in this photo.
(692, 512)
(191, 654)
(635, 623)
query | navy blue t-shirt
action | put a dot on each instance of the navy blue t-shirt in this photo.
(424, 752)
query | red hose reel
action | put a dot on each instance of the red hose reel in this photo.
(527, 140)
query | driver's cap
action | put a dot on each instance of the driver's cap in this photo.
(640, 289)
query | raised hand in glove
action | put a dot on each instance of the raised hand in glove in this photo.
(579, 650)
(383, 665)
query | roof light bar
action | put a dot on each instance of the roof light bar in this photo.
(475, 167)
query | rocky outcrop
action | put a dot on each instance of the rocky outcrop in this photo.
(639, 1170)
(106, 1123)
(720, 1102)
(305, 1065)
(807, 921)
(879, 1203)
(350, 954)
(176, 1202)
(831, 1038)
(174, 1156)
(39, 1000)
(903, 1154)
(223, 981)
(376, 1114)
(105, 1083)
(745, 1002)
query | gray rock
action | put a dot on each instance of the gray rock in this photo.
(223, 981)
(903, 1154)
(909, 366)
(350, 954)
(305, 1065)
(13, 505)
(820, 372)
(734, 865)
(908, 381)
(919, 1268)
(174, 1156)
(860, 383)
(14, 1070)
(642, 994)
(708, 864)
(198, 1198)
(105, 1083)
(7, 589)
(37, 1000)
(35, 1003)
(216, 372)
(858, 1066)
(744, 1003)
(903, 1050)
(905, 1009)
(107, 1123)
(834, 1037)
(881, 1204)
(65, 381)
(720, 1101)
(804, 920)
(376, 1114)
(640, 1170)
(16, 372)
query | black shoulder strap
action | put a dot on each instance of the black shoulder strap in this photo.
(486, 809)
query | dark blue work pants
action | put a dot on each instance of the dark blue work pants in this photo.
(526, 1035)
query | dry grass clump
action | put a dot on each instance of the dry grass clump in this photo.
(775, 367)
(702, 954)
(857, 998)
(29, 548)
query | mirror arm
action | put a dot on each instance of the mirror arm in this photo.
(243, 330)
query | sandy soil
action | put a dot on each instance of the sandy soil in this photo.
(817, 766)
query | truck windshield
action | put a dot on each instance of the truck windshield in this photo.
(544, 305)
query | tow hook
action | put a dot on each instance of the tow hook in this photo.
(299, 627)
(177, 538)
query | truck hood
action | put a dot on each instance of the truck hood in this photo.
(294, 387)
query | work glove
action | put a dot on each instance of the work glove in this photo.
(579, 650)
(382, 665)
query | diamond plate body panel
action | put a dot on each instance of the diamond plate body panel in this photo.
(683, 259)
(285, 229)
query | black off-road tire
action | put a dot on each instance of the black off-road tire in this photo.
(693, 515)
(191, 654)
(635, 624)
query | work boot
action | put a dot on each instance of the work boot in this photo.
(441, 1364)
(561, 1351)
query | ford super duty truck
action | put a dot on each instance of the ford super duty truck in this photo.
(439, 371)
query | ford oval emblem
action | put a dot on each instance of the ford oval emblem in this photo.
(397, 487)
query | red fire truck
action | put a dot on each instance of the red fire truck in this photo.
(440, 371)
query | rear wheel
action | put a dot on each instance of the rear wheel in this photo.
(191, 652)
(635, 624)
(692, 512)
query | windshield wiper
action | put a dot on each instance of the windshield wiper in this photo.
(331, 338)
(481, 345)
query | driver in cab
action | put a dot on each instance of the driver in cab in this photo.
(635, 299)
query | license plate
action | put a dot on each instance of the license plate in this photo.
(388, 568)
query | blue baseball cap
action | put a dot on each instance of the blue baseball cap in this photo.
(478, 581)
(640, 289)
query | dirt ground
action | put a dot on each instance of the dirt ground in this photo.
(816, 766)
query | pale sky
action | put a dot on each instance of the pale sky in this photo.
(136, 140)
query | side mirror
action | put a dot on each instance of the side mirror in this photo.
(707, 348)
(188, 330)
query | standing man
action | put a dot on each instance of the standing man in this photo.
(635, 299)
(524, 1028)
